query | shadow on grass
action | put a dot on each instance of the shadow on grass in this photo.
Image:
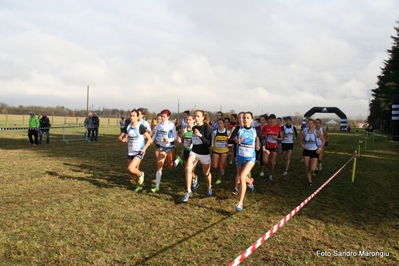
(227, 215)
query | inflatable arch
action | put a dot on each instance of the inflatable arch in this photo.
(338, 112)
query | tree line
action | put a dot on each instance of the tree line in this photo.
(387, 85)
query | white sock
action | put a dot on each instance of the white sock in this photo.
(176, 162)
(158, 176)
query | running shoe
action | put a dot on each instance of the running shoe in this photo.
(234, 192)
(218, 181)
(320, 167)
(138, 189)
(285, 173)
(195, 184)
(155, 189)
(180, 159)
(186, 197)
(209, 192)
(262, 174)
(231, 162)
(310, 184)
(271, 178)
(141, 178)
(239, 206)
(266, 171)
(251, 185)
(313, 174)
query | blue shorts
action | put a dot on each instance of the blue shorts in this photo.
(165, 149)
(242, 162)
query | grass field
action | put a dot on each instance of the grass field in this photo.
(73, 204)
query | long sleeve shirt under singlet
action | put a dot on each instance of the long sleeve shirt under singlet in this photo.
(201, 144)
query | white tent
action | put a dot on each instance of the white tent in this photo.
(332, 122)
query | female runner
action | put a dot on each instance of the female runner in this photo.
(138, 139)
(240, 123)
(201, 141)
(326, 136)
(186, 136)
(248, 140)
(273, 134)
(165, 134)
(311, 148)
(290, 134)
(220, 149)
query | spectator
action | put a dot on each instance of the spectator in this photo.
(96, 125)
(33, 128)
(88, 125)
(44, 128)
(122, 124)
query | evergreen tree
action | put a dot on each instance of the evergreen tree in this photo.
(388, 85)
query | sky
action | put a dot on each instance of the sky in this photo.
(276, 56)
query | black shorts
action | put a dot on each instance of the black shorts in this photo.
(310, 153)
(140, 156)
(287, 146)
(186, 153)
(272, 149)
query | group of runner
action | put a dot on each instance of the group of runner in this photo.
(208, 145)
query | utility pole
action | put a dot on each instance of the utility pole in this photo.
(87, 104)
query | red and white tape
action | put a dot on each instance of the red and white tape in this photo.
(261, 240)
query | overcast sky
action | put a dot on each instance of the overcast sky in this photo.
(279, 57)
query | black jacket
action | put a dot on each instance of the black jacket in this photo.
(44, 123)
(96, 121)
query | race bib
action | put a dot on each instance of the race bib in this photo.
(187, 143)
(271, 140)
(161, 135)
(245, 151)
(220, 144)
(196, 140)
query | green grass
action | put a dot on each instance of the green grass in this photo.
(69, 204)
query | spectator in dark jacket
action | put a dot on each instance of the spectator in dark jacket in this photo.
(96, 125)
(44, 128)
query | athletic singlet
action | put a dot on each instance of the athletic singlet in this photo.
(220, 141)
(215, 125)
(135, 139)
(271, 131)
(146, 124)
(319, 142)
(310, 140)
(165, 130)
(246, 149)
(288, 133)
(187, 139)
(184, 124)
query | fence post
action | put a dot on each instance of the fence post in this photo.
(358, 149)
(354, 168)
(23, 120)
(6, 119)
